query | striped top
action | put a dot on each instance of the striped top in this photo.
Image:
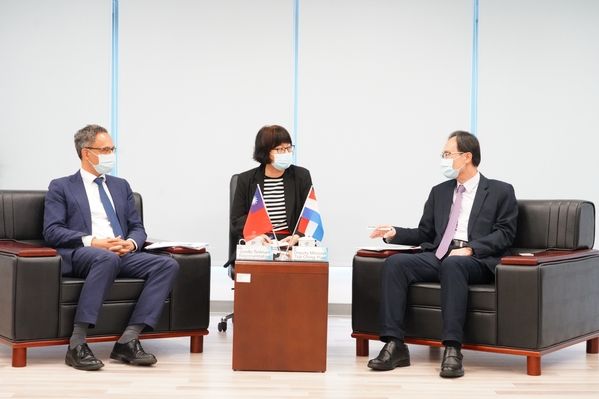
(274, 200)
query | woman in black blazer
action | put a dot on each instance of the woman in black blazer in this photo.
(284, 186)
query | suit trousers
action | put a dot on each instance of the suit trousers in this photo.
(100, 267)
(453, 272)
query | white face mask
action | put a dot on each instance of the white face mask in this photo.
(447, 168)
(105, 163)
(282, 161)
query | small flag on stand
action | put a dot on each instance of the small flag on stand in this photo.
(310, 223)
(258, 221)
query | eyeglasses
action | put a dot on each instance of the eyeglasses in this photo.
(103, 150)
(282, 150)
(447, 154)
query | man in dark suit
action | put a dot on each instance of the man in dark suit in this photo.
(468, 223)
(90, 217)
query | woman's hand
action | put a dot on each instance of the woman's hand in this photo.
(262, 239)
(291, 240)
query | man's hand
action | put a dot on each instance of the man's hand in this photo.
(291, 240)
(128, 247)
(116, 245)
(109, 244)
(384, 231)
(466, 251)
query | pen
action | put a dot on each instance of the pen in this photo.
(379, 228)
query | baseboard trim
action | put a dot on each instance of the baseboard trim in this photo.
(226, 307)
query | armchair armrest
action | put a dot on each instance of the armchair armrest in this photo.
(175, 249)
(375, 254)
(367, 253)
(24, 249)
(548, 256)
(547, 303)
(29, 291)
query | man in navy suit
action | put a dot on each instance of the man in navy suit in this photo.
(91, 219)
(468, 223)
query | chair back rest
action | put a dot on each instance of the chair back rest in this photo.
(22, 214)
(232, 237)
(555, 224)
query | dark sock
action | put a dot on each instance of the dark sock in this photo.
(131, 332)
(398, 341)
(79, 335)
(453, 344)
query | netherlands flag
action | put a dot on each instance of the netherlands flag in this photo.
(310, 223)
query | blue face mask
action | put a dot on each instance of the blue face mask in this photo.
(282, 161)
(447, 168)
(105, 163)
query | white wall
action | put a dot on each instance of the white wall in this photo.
(199, 79)
(381, 84)
(539, 96)
(380, 89)
(54, 78)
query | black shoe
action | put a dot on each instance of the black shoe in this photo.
(133, 353)
(393, 354)
(82, 358)
(451, 367)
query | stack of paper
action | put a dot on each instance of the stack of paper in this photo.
(389, 247)
(184, 244)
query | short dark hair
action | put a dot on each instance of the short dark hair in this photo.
(268, 138)
(467, 142)
(86, 137)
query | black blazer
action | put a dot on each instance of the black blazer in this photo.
(297, 183)
(491, 227)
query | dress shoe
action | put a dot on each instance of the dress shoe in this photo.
(451, 367)
(132, 353)
(394, 354)
(82, 358)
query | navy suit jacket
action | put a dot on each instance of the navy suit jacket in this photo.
(67, 217)
(491, 227)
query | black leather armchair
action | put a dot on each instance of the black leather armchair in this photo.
(538, 303)
(37, 304)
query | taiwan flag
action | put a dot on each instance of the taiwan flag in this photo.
(310, 223)
(257, 222)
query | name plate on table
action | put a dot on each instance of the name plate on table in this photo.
(254, 252)
(317, 254)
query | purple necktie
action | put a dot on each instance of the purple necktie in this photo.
(452, 224)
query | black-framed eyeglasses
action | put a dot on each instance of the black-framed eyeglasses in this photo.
(447, 154)
(103, 150)
(282, 150)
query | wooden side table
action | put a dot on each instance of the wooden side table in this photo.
(281, 311)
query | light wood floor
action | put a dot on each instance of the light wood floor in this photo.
(570, 373)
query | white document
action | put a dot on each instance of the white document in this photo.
(184, 244)
(390, 247)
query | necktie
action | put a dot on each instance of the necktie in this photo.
(112, 218)
(452, 224)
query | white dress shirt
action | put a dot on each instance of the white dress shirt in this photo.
(471, 185)
(101, 227)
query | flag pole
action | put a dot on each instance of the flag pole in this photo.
(266, 209)
(298, 219)
(304, 207)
